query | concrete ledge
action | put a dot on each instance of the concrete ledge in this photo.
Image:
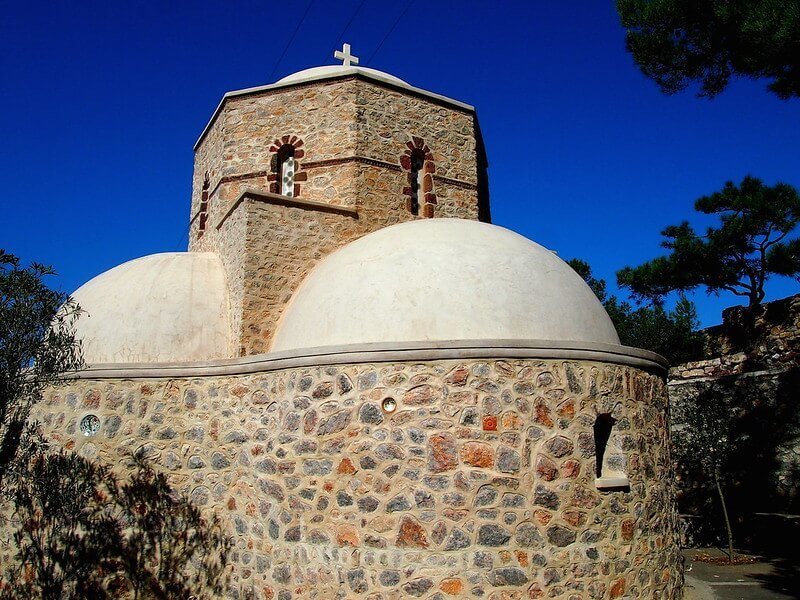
(385, 352)
(612, 483)
(260, 195)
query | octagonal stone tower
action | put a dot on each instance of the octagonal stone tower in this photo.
(366, 150)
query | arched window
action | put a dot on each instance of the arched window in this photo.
(286, 174)
(415, 180)
(611, 464)
(203, 219)
(286, 169)
(417, 162)
(602, 432)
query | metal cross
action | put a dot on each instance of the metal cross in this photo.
(345, 56)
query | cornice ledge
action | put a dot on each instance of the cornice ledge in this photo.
(260, 195)
(381, 353)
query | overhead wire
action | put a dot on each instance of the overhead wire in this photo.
(350, 22)
(184, 238)
(391, 30)
(288, 45)
(291, 39)
(185, 234)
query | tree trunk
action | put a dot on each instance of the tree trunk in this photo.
(725, 514)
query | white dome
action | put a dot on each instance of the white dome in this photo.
(338, 70)
(167, 307)
(441, 280)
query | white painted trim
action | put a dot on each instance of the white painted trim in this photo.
(381, 353)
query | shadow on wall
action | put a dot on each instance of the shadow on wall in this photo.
(761, 474)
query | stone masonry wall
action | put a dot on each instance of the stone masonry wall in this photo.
(768, 331)
(387, 119)
(282, 244)
(763, 469)
(763, 338)
(354, 134)
(480, 484)
(237, 144)
(233, 237)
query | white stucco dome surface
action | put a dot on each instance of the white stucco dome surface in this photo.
(336, 71)
(168, 307)
(442, 280)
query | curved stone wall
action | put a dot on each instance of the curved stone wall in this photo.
(480, 484)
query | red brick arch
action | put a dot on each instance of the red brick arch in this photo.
(204, 202)
(282, 144)
(426, 196)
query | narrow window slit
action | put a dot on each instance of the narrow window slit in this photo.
(415, 180)
(203, 219)
(287, 170)
(602, 432)
(610, 461)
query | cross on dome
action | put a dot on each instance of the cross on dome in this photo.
(345, 56)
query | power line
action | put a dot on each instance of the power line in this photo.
(402, 14)
(350, 22)
(291, 39)
(184, 236)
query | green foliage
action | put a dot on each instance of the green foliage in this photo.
(703, 440)
(676, 42)
(738, 256)
(79, 532)
(169, 550)
(82, 534)
(738, 432)
(37, 348)
(65, 540)
(671, 334)
(703, 432)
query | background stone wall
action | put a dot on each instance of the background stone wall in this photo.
(752, 366)
(749, 339)
(354, 133)
(481, 484)
(770, 332)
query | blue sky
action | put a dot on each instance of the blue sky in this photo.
(102, 101)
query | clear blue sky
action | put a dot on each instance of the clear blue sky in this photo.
(101, 103)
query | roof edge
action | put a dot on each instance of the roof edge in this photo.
(344, 73)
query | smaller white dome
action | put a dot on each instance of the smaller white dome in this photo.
(442, 280)
(169, 307)
(339, 70)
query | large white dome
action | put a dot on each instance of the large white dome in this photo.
(442, 280)
(169, 307)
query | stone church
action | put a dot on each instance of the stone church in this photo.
(381, 393)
